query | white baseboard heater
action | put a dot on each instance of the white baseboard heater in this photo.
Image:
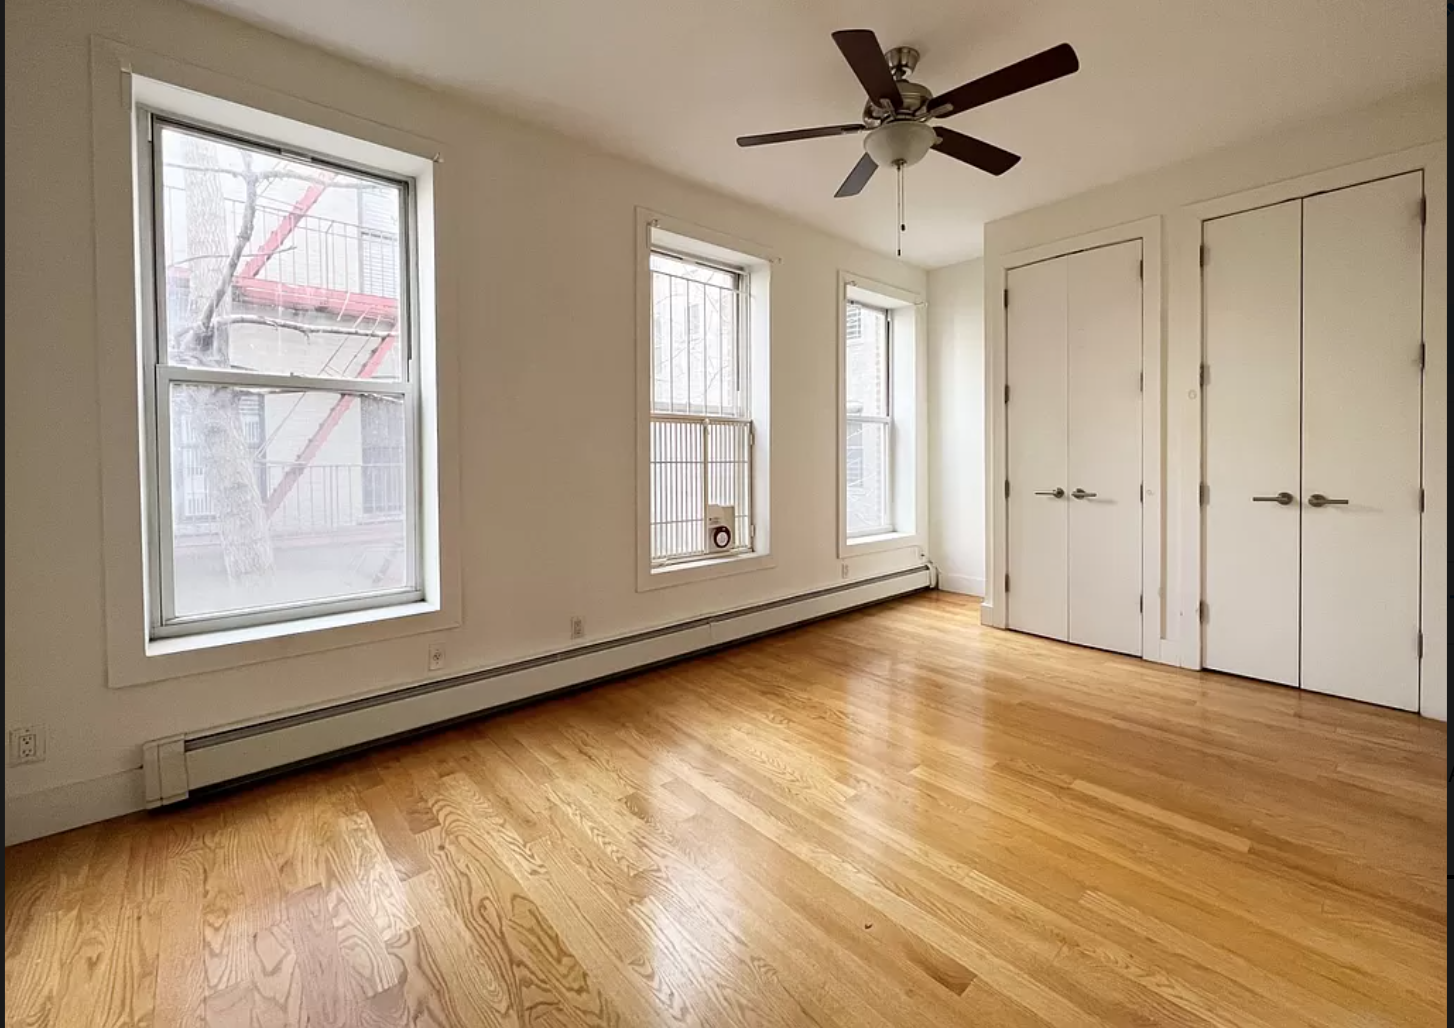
(175, 767)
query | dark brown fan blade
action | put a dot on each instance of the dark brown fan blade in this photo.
(792, 134)
(858, 177)
(984, 156)
(861, 50)
(1044, 67)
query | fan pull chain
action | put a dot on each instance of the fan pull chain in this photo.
(899, 237)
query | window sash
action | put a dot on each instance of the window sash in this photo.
(885, 521)
(741, 370)
(162, 376)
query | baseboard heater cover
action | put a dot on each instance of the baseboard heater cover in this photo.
(174, 767)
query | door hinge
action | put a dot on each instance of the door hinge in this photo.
(1007, 488)
(1141, 604)
(1423, 356)
(1204, 494)
(1141, 381)
(1420, 645)
(1007, 393)
(1202, 255)
(1202, 611)
(1204, 375)
(1141, 493)
(1141, 269)
(1421, 499)
(1007, 299)
(1007, 583)
(1423, 210)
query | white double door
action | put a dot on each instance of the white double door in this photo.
(1073, 347)
(1313, 315)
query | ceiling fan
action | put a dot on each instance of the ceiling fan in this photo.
(898, 111)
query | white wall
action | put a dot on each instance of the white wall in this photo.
(1400, 123)
(542, 263)
(957, 427)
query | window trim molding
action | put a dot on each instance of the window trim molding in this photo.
(755, 261)
(908, 351)
(123, 77)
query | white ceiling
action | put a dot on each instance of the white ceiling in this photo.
(672, 82)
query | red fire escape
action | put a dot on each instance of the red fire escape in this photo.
(343, 304)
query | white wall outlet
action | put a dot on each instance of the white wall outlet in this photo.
(27, 744)
(577, 628)
(843, 572)
(436, 656)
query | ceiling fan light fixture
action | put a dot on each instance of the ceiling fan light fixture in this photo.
(899, 143)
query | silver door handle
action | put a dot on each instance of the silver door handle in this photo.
(1081, 494)
(1281, 499)
(1319, 500)
(1057, 492)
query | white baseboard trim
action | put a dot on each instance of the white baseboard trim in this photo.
(64, 807)
(952, 583)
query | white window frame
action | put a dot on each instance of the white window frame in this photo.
(159, 377)
(886, 419)
(657, 232)
(121, 79)
(705, 419)
(907, 458)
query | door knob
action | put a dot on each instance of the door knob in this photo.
(1081, 494)
(1281, 499)
(1057, 492)
(1319, 500)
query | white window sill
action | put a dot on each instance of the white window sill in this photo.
(860, 544)
(181, 656)
(254, 633)
(703, 570)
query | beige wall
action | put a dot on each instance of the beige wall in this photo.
(1413, 120)
(543, 261)
(956, 426)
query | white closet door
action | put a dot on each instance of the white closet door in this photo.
(1036, 374)
(1252, 304)
(1362, 322)
(1104, 444)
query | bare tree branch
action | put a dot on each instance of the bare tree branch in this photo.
(299, 326)
(221, 256)
(275, 175)
(244, 235)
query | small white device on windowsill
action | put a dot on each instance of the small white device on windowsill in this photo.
(721, 528)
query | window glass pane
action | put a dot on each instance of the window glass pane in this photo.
(868, 496)
(275, 265)
(284, 496)
(696, 349)
(867, 372)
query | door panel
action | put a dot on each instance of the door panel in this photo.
(1104, 446)
(1036, 438)
(1362, 322)
(1252, 305)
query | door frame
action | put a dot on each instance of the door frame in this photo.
(1185, 414)
(1148, 231)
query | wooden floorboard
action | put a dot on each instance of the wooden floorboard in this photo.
(894, 817)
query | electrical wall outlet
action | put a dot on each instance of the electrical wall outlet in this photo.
(27, 744)
(436, 656)
(577, 628)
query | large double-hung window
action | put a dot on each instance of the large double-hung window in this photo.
(701, 415)
(281, 389)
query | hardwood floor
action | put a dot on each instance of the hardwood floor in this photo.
(891, 818)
